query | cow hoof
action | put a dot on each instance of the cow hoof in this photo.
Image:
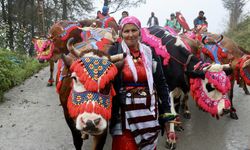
(49, 84)
(187, 115)
(226, 111)
(247, 93)
(233, 115)
(170, 146)
(85, 136)
(179, 128)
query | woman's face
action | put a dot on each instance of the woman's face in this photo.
(130, 35)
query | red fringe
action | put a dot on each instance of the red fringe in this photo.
(242, 73)
(58, 83)
(195, 85)
(156, 43)
(88, 82)
(65, 37)
(75, 110)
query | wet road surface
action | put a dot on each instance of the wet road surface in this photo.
(31, 119)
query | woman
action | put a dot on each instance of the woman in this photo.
(134, 123)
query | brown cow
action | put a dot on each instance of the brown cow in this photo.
(48, 52)
(60, 33)
(225, 51)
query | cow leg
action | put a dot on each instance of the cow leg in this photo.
(186, 114)
(63, 95)
(99, 141)
(51, 79)
(233, 114)
(77, 136)
(171, 135)
(245, 89)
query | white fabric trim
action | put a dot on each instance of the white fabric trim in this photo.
(143, 125)
(139, 113)
(147, 61)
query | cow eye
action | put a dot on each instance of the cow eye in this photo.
(209, 87)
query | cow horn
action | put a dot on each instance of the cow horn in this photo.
(71, 48)
(67, 60)
(203, 40)
(226, 66)
(117, 57)
(221, 38)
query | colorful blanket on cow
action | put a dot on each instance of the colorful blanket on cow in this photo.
(217, 80)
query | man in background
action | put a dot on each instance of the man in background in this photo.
(200, 21)
(152, 21)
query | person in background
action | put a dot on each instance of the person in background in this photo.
(98, 14)
(200, 21)
(124, 14)
(152, 21)
(105, 11)
(173, 23)
(134, 123)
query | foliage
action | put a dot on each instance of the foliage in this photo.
(117, 5)
(20, 20)
(241, 34)
(235, 8)
(15, 68)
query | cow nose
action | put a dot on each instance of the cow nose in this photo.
(90, 125)
(97, 121)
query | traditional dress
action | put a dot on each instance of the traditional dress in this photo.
(134, 123)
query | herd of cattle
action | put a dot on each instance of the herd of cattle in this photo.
(204, 64)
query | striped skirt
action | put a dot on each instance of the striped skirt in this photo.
(140, 117)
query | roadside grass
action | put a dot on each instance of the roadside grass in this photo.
(15, 68)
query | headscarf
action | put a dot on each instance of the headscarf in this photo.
(105, 10)
(131, 20)
(144, 50)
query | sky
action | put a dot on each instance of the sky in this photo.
(216, 14)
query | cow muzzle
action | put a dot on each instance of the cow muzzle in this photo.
(91, 123)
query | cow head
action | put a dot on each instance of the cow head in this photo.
(90, 101)
(61, 31)
(209, 87)
(45, 49)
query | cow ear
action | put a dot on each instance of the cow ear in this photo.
(195, 74)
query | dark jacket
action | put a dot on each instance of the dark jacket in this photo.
(159, 83)
(155, 21)
(199, 21)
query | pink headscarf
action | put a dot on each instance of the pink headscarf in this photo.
(131, 20)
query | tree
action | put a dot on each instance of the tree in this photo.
(117, 5)
(235, 8)
(10, 25)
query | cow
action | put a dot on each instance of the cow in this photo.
(89, 102)
(183, 71)
(223, 50)
(69, 79)
(46, 52)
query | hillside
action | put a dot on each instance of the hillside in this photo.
(241, 34)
